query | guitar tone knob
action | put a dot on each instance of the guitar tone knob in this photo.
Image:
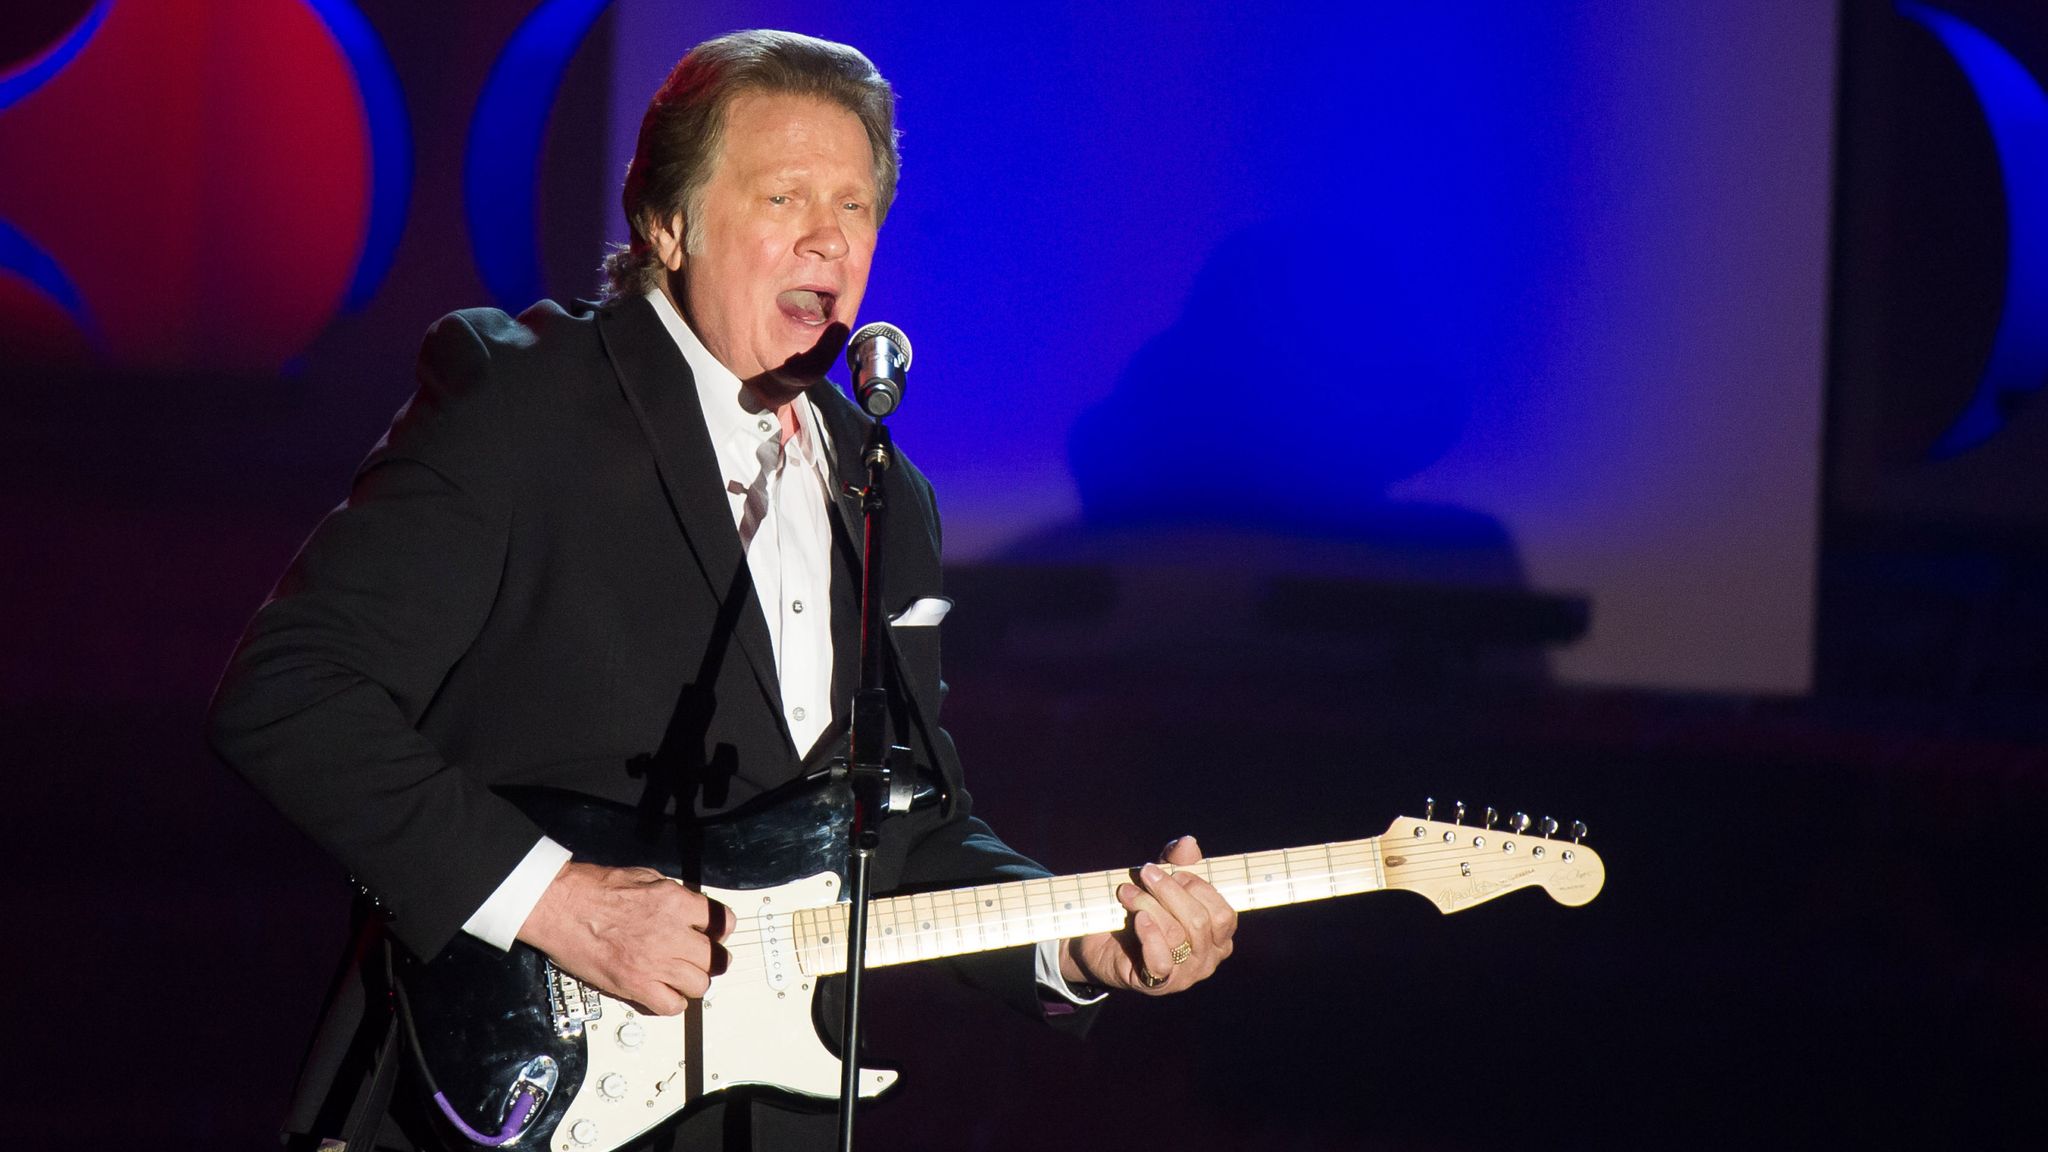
(631, 1034)
(612, 1087)
(584, 1132)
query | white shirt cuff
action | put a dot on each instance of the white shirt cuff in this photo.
(1049, 977)
(498, 922)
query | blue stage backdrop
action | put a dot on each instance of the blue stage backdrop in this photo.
(1477, 291)
(1496, 291)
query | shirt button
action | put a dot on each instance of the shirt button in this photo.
(797, 712)
(796, 606)
(763, 425)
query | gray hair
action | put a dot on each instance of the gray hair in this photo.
(684, 131)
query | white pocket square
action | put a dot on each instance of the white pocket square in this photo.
(922, 613)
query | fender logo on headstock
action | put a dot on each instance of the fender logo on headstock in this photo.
(1455, 895)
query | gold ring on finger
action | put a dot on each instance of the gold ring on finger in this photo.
(1148, 979)
(1182, 951)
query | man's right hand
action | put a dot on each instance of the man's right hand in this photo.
(632, 932)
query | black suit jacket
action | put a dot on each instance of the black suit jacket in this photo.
(536, 579)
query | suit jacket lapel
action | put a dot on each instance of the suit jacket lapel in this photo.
(848, 427)
(658, 386)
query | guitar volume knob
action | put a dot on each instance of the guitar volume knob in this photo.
(631, 1034)
(583, 1132)
(612, 1087)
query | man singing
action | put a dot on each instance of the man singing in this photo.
(608, 549)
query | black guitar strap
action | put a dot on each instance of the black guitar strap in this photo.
(366, 1118)
(360, 1133)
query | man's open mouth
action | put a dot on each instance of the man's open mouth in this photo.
(807, 305)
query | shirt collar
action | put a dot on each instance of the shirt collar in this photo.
(734, 416)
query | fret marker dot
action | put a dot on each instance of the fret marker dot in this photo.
(988, 903)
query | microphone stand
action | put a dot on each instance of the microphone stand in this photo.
(880, 773)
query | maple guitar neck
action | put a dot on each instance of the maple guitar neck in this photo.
(1454, 865)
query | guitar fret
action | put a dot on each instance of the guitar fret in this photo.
(1259, 867)
(983, 909)
(928, 926)
(1041, 909)
(1032, 893)
(814, 930)
(1000, 915)
(1037, 909)
(885, 930)
(1006, 920)
(800, 928)
(909, 933)
(1015, 901)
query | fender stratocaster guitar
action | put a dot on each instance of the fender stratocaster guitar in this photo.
(517, 1052)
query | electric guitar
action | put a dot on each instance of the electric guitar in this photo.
(516, 1052)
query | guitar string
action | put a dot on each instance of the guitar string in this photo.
(949, 900)
(1355, 862)
(1413, 874)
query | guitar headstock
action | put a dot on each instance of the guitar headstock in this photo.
(1457, 865)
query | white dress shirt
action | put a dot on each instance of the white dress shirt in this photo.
(779, 491)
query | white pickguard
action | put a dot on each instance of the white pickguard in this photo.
(753, 1027)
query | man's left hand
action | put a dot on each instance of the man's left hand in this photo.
(1179, 931)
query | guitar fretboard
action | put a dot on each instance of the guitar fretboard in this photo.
(930, 925)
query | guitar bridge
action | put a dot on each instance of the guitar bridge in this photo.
(571, 1002)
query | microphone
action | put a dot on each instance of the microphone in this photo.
(879, 358)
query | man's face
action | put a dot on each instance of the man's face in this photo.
(784, 238)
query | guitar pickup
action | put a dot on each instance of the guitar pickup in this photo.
(776, 954)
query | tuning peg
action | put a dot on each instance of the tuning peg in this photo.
(1492, 817)
(1549, 827)
(1578, 831)
(1458, 812)
(1518, 823)
(1429, 807)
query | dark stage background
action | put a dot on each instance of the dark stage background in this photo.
(223, 227)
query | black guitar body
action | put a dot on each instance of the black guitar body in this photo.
(501, 1038)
